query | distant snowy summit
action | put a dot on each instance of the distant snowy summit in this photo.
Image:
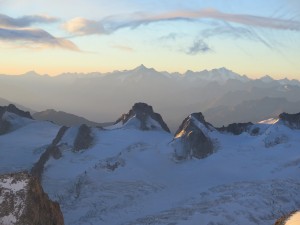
(219, 75)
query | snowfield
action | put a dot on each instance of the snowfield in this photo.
(131, 177)
(21, 148)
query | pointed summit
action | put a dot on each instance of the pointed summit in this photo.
(141, 67)
(192, 138)
(31, 73)
(143, 117)
(266, 79)
(16, 119)
(291, 120)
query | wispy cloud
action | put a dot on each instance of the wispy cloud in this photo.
(198, 47)
(235, 32)
(123, 48)
(18, 31)
(170, 36)
(80, 26)
(35, 38)
(25, 21)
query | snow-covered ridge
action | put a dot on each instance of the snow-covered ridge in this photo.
(136, 174)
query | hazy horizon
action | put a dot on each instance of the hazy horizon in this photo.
(249, 37)
(160, 71)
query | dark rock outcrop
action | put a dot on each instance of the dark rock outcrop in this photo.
(142, 111)
(282, 220)
(13, 109)
(193, 140)
(5, 126)
(236, 128)
(83, 139)
(291, 120)
(25, 203)
(52, 150)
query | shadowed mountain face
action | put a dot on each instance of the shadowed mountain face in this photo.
(250, 110)
(5, 102)
(65, 119)
(13, 109)
(145, 115)
(8, 122)
(292, 120)
(223, 96)
(192, 138)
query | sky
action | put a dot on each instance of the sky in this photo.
(251, 37)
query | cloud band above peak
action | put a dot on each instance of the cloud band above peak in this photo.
(81, 26)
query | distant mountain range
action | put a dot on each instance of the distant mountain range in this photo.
(100, 97)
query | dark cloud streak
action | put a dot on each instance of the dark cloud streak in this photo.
(25, 21)
(199, 46)
(19, 32)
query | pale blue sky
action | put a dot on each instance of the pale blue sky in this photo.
(250, 37)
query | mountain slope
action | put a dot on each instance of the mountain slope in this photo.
(251, 110)
(24, 141)
(64, 119)
(134, 174)
(5, 102)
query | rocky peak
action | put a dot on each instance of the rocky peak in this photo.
(291, 120)
(5, 124)
(83, 138)
(23, 202)
(192, 138)
(52, 150)
(13, 109)
(236, 128)
(191, 122)
(143, 112)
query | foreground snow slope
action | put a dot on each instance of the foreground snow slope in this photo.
(131, 176)
(23, 146)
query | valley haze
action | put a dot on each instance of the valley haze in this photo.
(222, 95)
